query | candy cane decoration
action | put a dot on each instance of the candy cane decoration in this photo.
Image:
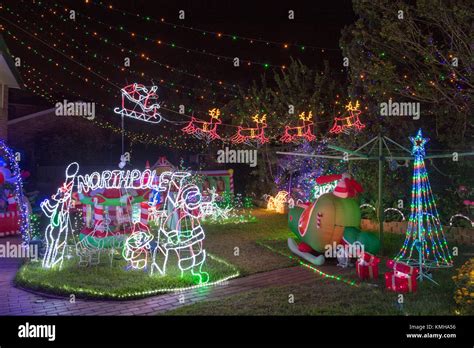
(98, 216)
(144, 213)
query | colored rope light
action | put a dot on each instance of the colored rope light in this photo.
(304, 131)
(205, 130)
(344, 124)
(140, 103)
(178, 219)
(424, 234)
(277, 203)
(248, 135)
(311, 267)
(57, 210)
(84, 291)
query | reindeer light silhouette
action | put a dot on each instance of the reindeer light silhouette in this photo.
(252, 134)
(343, 124)
(140, 103)
(202, 129)
(304, 131)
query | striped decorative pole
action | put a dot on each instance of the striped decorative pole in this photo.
(144, 213)
(127, 213)
(98, 216)
(231, 180)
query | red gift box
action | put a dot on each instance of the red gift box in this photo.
(367, 266)
(400, 282)
(402, 279)
(402, 267)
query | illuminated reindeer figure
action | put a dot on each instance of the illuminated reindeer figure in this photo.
(342, 124)
(246, 135)
(140, 103)
(202, 129)
(303, 131)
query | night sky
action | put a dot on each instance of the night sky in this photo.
(83, 59)
(316, 27)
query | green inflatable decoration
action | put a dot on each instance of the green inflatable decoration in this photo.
(330, 219)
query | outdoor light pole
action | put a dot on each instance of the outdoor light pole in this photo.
(380, 188)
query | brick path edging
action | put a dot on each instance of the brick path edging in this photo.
(16, 301)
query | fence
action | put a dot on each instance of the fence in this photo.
(460, 235)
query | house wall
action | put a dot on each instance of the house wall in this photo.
(3, 111)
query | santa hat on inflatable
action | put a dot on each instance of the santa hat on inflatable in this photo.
(346, 186)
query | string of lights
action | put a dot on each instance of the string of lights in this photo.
(162, 42)
(216, 35)
(240, 131)
(124, 49)
(81, 77)
(133, 137)
(82, 47)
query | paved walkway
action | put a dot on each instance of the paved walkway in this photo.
(14, 301)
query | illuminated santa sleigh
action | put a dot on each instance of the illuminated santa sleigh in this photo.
(140, 103)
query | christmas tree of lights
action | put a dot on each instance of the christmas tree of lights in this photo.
(425, 243)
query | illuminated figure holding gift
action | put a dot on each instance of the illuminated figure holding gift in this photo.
(180, 229)
(137, 247)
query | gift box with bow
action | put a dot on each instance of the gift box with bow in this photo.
(402, 278)
(367, 266)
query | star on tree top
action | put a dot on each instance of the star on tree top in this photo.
(418, 144)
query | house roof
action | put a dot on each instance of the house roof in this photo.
(8, 73)
(31, 116)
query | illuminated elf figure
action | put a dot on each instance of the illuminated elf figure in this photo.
(58, 212)
(425, 243)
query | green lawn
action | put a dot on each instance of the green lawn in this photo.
(112, 282)
(221, 240)
(115, 282)
(252, 248)
(328, 296)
